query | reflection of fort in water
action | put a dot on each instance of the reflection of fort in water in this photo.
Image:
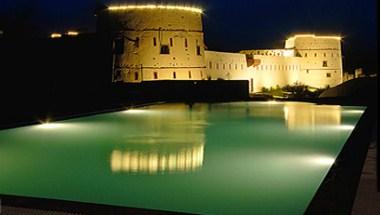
(309, 116)
(154, 162)
(173, 136)
(172, 141)
(296, 115)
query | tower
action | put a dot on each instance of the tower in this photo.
(154, 42)
(322, 59)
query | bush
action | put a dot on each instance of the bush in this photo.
(297, 90)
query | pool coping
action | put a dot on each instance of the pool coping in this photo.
(341, 202)
(73, 206)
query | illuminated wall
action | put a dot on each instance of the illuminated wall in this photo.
(227, 66)
(322, 59)
(273, 71)
(153, 42)
(312, 60)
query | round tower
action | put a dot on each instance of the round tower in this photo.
(155, 42)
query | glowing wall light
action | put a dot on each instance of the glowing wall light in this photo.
(346, 127)
(323, 160)
(152, 6)
(72, 33)
(50, 126)
(135, 111)
(353, 111)
(55, 35)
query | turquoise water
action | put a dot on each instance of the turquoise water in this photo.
(228, 158)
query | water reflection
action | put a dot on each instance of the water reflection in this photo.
(309, 116)
(157, 162)
(172, 140)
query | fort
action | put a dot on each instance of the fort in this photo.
(163, 42)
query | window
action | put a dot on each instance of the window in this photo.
(155, 74)
(230, 66)
(324, 63)
(165, 49)
(315, 55)
(224, 66)
(242, 67)
(201, 74)
(198, 50)
(186, 44)
(189, 74)
(154, 41)
(174, 75)
(328, 75)
(171, 42)
(235, 66)
(136, 76)
(210, 65)
(305, 54)
(217, 66)
(324, 54)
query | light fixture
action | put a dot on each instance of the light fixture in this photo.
(152, 6)
(135, 111)
(314, 36)
(55, 35)
(49, 126)
(72, 33)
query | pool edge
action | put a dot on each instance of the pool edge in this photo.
(337, 191)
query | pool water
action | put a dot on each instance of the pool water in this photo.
(226, 158)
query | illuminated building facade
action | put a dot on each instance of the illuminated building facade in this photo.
(312, 60)
(158, 42)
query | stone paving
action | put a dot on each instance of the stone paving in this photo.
(367, 201)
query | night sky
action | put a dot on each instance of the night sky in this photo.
(232, 25)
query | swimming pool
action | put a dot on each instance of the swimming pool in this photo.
(226, 158)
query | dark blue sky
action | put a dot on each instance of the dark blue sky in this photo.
(232, 25)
